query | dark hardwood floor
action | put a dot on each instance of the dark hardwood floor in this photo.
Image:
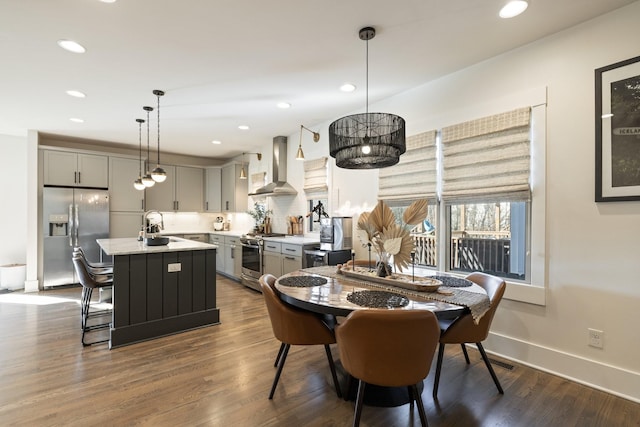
(221, 376)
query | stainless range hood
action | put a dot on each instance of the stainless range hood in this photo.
(279, 186)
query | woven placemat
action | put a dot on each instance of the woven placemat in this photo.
(377, 299)
(302, 281)
(453, 282)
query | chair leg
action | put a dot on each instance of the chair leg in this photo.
(332, 366)
(486, 362)
(275, 364)
(283, 359)
(436, 380)
(411, 397)
(358, 411)
(423, 415)
(466, 355)
(350, 381)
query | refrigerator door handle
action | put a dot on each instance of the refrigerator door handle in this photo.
(77, 221)
(70, 225)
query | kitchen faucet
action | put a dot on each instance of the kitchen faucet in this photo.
(144, 222)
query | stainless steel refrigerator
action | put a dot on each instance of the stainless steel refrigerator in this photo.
(71, 217)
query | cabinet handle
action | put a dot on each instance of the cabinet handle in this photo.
(79, 179)
(289, 249)
(75, 177)
(207, 204)
(177, 205)
(290, 258)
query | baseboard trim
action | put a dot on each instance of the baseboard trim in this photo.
(601, 376)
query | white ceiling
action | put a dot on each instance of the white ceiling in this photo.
(224, 63)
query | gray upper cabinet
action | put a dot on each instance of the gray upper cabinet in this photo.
(213, 190)
(75, 169)
(182, 191)
(234, 190)
(122, 173)
(189, 189)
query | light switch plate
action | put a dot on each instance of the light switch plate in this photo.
(172, 268)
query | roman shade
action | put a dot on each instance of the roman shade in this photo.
(315, 175)
(414, 177)
(487, 157)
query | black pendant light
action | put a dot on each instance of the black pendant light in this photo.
(369, 140)
(158, 174)
(147, 180)
(138, 184)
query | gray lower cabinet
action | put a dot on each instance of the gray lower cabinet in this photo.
(232, 257)
(217, 239)
(272, 263)
(281, 258)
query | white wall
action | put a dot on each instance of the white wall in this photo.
(13, 182)
(592, 249)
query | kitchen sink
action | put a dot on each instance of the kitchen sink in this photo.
(156, 241)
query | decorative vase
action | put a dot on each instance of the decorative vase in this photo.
(381, 271)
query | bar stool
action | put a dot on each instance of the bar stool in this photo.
(89, 283)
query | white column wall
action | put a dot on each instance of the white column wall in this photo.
(13, 181)
(591, 249)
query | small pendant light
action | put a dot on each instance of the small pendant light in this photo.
(146, 179)
(137, 184)
(158, 174)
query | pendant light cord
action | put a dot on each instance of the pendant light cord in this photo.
(148, 159)
(140, 147)
(158, 129)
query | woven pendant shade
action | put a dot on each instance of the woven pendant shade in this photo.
(369, 140)
(383, 133)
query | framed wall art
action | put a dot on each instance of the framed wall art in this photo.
(618, 131)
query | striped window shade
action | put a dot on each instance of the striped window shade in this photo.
(487, 157)
(315, 175)
(258, 180)
(414, 176)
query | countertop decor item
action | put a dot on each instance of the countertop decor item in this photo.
(388, 238)
(405, 281)
(369, 140)
(259, 213)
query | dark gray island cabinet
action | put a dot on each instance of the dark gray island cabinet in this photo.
(161, 290)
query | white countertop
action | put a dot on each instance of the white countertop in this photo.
(294, 240)
(131, 245)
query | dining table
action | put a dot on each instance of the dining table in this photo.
(329, 292)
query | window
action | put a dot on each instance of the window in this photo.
(486, 196)
(489, 237)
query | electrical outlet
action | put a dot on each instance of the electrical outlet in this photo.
(596, 338)
(172, 268)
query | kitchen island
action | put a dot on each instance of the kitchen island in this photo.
(160, 290)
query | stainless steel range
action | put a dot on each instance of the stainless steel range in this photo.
(252, 248)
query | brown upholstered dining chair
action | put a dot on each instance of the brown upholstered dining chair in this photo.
(292, 326)
(392, 348)
(463, 329)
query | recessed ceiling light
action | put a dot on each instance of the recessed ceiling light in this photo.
(108, 1)
(243, 127)
(71, 46)
(76, 94)
(347, 87)
(513, 8)
(76, 120)
(216, 142)
(284, 105)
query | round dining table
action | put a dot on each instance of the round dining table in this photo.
(331, 294)
(321, 290)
